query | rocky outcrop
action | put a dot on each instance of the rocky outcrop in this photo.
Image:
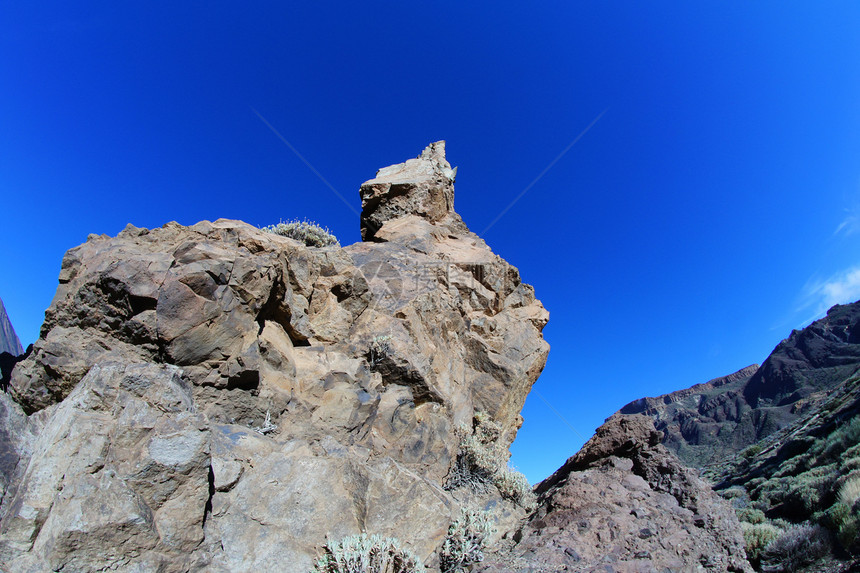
(708, 424)
(625, 504)
(219, 398)
(223, 399)
(9, 341)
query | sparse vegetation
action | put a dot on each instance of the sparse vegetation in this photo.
(751, 515)
(306, 232)
(465, 542)
(849, 493)
(757, 536)
(267, 427)
(482, 462)
(751, 451)
(380, 347)
(821, 482)
(795, 547)
(367, 554)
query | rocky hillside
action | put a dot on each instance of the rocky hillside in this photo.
(782, 442)
(710, 423)
(8, 339)
(223, 398)
(624, 503)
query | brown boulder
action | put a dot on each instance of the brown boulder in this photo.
(625, 504)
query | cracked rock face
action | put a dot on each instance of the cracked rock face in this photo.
(218, 398)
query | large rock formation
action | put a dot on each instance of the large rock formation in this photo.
(9, 341)
(625, 504)
(710, 423)
(219, 398)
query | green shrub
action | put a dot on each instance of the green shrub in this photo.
(811, 489)
(465, 542)
(306, 232)
(367, 554)
(481, 461)
(757, 536)
(848, 533)
(835, 516)
(751, 451)
(838, 442)
(751, 515)
(795, 547)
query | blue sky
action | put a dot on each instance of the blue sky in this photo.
(713, 207)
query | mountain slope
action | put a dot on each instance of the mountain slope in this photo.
(710, 423)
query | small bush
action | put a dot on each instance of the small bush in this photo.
(849, 493)
(751, 452)
(836, 515)
(838, 442)
(514, 486)
(849, 533)
(306, 232)
(481, 461)
(479, 458)
(367, 554)
(757, 536)
(795, 547)
(732, 493)
(380, 347)
(751, 515)
(465, 542)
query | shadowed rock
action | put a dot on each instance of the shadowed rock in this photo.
(9, 341)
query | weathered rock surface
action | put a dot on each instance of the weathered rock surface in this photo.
(218, 398)
(625, 504)
(710, 423)
(9, 341)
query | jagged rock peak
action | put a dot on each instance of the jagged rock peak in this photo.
(423, 187)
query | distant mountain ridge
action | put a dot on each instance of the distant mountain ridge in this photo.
(9, 341)
(709, 423)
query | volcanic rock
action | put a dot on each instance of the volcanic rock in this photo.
(625, 504)
(219, 398)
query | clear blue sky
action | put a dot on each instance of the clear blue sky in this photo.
(712, 208)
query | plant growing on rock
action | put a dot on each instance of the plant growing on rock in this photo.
(307, 232)
(481, 461)
(267, 427)
(465, 542)
(367, 554)
(380, 347)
